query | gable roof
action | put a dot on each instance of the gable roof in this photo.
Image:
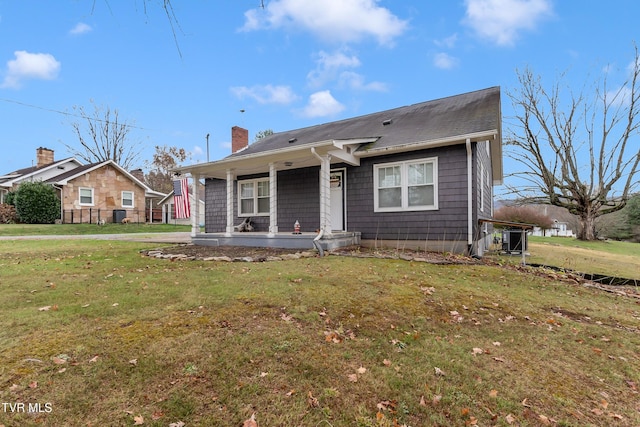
(9, 179)
(64, 178)
(475, 116)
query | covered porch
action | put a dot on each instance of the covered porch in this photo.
(232, 172)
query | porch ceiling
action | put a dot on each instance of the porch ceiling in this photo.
(294, 157)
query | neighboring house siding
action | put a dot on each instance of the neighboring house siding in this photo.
(107, 184)
(448, 222)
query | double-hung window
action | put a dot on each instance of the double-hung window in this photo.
(253, 197)
(127, 199)
(406, 186)
(85, 196)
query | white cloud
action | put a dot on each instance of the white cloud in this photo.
(502, 20)
(42, 66)
(448, 42)
(322, 104)
(445, 61)
(328, 66)
(80, 28)
(334, 20)
(266, 94)
(356, 81)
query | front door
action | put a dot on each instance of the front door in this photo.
(336, 181)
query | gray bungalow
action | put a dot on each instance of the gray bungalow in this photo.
(419, 176)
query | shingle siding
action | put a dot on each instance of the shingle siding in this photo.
(299, 195)
(447, 222)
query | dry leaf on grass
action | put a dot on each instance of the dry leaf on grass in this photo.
(138, 420)
(251, 422)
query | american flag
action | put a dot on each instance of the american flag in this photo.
(181, 198)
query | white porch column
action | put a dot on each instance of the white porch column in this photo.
(229, 202)
(273, 199)
(325, 192)
(195, 209)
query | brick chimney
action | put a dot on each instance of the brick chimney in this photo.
(138, 174)
(44, 156)
(239, 138)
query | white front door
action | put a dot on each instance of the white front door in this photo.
(336, 181)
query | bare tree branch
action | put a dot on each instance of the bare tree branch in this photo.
(545, 140)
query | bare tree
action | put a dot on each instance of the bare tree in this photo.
(580, 152)
(103, 136)
(165, 158)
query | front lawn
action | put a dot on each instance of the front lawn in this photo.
(97, 334)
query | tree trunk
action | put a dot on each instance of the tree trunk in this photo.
(587, 227)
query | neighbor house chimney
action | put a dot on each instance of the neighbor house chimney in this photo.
(239, 138)
(138, 174)
(44, 156)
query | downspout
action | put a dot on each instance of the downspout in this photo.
(316, 240)
(469, 198)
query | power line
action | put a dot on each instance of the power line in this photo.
(66, 113)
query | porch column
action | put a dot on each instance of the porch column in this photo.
(229, 202)
(273, 199)
(195, 210)
(325, 194)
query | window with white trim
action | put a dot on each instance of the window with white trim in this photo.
(406, 186)
(253, 197)
(127, 199)
(85, 197)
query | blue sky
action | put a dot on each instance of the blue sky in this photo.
(291, 64)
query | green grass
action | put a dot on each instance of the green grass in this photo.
(332, 341)
(70, 229)
(621, 259)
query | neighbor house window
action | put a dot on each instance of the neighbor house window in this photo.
(406, 186)
(86, 196)
(127, 199)
(253, 197)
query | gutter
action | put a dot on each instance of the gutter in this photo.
(469, 197)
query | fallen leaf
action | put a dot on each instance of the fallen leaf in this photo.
(493, 393)
(290, 393)
(353, 378)
(115, 304)
(597, 411)
(422, 401)
(379, 416)
(615, 416)
(436, 399)
(439, 371)
(157, 415)
(33, 384)
(312, 401)
(14, 387)
(604, 404)
(263, 374)
(178, 424)
(499, 359)
(525, 404)
(58, 360)
(60, 371)
(133, 362)
(510, 419)
(251, 422)
(362, 370)
(386, 362)
(138, 421)
(544, 420)
(477, 350)
(45, 308)
(94, 359)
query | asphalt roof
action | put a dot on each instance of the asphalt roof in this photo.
(463, 114)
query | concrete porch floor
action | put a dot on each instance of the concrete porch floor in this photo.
(337, 239)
